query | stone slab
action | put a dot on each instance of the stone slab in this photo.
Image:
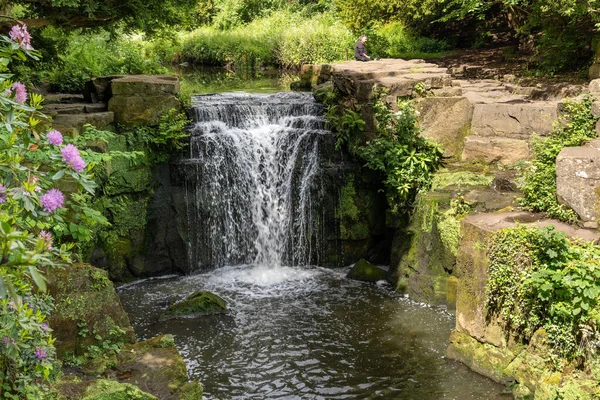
(517, 121)
(472, 268)
(145, 85)
(495, 149)
(72, 124)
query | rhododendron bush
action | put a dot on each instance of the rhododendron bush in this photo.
(45, 217)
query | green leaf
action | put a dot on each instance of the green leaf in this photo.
(38, 278)
(58, 175)
(576, 311)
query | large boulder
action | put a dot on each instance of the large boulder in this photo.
(472, 269)
(87, 310)
(152, 369)
(140, 100)
(195, 305)
(141, 110)
(578, 180)
(446, 120)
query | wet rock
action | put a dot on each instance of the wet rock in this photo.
(85, 300)
(578, 179)
(367, 272)
(196, 305)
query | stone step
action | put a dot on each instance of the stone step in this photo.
(74, 108)
(513, 120)
(72, 124)
(55, 98)
(506, 151)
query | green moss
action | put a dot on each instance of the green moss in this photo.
(367, 272)
(444, 178)
(449, 229)
(124, 175)
(353, 223)
(104, 389)
(199, 303)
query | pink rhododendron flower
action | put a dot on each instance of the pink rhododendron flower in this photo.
(20, 92)
(55, 137)
(19, 35)
(72, 158)
(2, 194)
(40, 354)
(53, 199)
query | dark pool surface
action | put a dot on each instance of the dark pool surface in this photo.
(307, 333)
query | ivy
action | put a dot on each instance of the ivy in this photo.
(538, 278)
(539, 180)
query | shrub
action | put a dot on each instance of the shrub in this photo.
(40, 221)
(541, 279)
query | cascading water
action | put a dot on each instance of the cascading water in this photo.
(261, 187)
(252, 180)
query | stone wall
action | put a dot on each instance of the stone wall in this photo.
(136, 194)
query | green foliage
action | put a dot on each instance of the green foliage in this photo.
(89, 55)
(398, 42)
(161, 143)
(539, 184)
(541, 279)
(406, 159)
(148, 15)
(282, 38)
(31, 166)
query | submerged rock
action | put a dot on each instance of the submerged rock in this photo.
(365, 271)
(195, 305)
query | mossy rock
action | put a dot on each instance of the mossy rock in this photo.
(198, 304)
(104, 389)
(87, 310)
(367, 272)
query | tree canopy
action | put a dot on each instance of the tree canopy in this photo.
(145, 15)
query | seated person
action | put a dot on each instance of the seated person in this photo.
(360, 52)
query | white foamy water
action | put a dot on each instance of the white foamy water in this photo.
(252, 180)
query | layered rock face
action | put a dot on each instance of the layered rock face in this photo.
(479, 339)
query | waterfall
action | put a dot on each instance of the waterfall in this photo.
(252, 180)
